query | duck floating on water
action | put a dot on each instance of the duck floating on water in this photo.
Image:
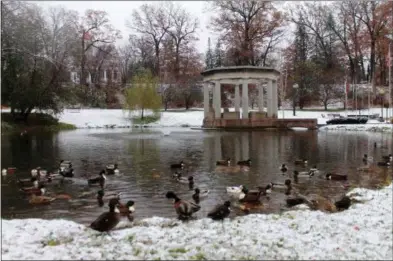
(383, 163)
(252, 196)
(180, 165)
(226, 162)
(283, 168)
(367, 159)
(65, 169)
(112, 169)
(108, 220)
(333, 176)
(303, 174)
(286, 187)
(244, 162)
(198, 195)
(301, 162)
(100, 180)
(221, 211)
(184, 209)
(388, 157)
(234, 191)
(38, 191)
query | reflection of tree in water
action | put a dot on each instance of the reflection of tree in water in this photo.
(145, 156)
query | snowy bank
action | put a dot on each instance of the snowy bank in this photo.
(362, 232)
(375, 127)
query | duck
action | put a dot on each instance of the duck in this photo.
(33, 181)
(388, 157)
(198, 195)
(101, 197)
(180, 165)
(127, 209)
(98, 180)
(291, 202)
(314, 169)
(65, 169)
(251, 196)
(343, 203)
(220, 212)
(40, 200)
(176, 175)
(108, 220)
(303, 174)
(333, 176)
(301, 162)
(367, 159)
(184, 209)
(112, 169)
(38, 191)
(6, 171)
(189, 180)
(383, 163)
(244, 162)
(226, 162)
(287, 186)
(234, 190)
(283, 168)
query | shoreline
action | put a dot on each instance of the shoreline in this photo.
(364, 231)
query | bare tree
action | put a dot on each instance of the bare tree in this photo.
(127, 57)
(153, 23)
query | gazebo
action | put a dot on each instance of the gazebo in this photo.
(243, 76)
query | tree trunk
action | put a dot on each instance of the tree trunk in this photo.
(142, 116)
(82, 79)
(325, 105)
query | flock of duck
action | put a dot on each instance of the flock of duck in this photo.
(35, 188)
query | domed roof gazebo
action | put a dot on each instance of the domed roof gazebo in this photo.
(243, 76)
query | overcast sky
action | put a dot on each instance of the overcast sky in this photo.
(120, 11)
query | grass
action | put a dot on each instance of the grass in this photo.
(35, 121)
(178, 250)
(146, 119)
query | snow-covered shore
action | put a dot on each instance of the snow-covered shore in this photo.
(362, 232)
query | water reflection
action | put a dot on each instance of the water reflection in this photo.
(144, 157)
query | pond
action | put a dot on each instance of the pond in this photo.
(139, 151)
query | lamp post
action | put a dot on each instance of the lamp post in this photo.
(295, 87)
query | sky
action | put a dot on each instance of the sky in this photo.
(120, 11)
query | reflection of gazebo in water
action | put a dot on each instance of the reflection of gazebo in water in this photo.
(245, 75)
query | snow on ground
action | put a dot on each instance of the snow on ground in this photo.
(364, 231)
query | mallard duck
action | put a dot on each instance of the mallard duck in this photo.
(301, 162)
(184, 209)
(226, 162)
(198, 195)
(176, 175)
(332, 176)
(189, 180)
(65, 169)
(251, 196)
(127, 209)
(286, 187)
(388, 157)
(33, 181)
(38, 200)
(221, 211)
(314, 169)
(366, 159)
(108, 220)
(178, 165)
(383, 163)
(244, 162)
(234, 190)
(112, 169)
(283, 168)
(100, 180)
(38, 191)
(343, 203)
(303, 174)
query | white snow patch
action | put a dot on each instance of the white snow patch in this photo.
(362, 232)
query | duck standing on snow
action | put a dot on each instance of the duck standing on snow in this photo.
(226, 162)
(301, 162)
(283, 168)
(112, 169)
(244, 163)
(100, 180)
(220, 212)
(198, 195)
(332, 176)
(343, 203)
(180, 165)
(108, 220)
(184, 209)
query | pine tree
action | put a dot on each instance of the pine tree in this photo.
(218, 55)
(209, 56)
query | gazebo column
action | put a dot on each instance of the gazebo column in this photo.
(245, 99)
(275, 98)
(237, 97)
(217, 100)
(206, 104)
(269, 98)
(260, 97)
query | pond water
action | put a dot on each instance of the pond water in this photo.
(139, 151)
